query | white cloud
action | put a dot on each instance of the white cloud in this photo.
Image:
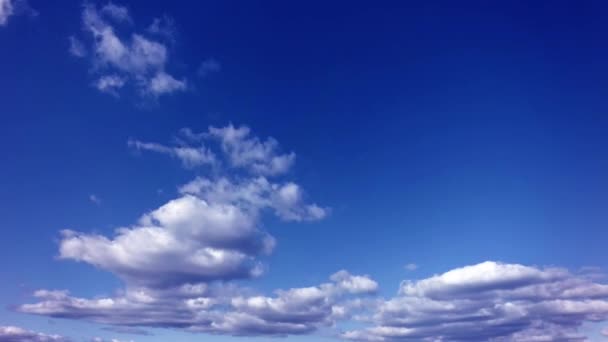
(217, 309)
(163, 83)
(178, 260)
(411, 267)
(211, 232)
(489, 302)
(604, 332)
(255, 194)
(16, 334)
(119, 59)
(6, 10)
(117, 12)
(189, 156)
(258, 156)
(110, 84)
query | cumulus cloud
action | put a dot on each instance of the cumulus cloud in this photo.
(489, 302)
(119, 59)
(210, 232)
(16, 334)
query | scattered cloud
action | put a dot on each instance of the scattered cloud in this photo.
(604, 332)
(16, 334)
(411, 267)
(208, 66)
(120, 56)
(95, 199)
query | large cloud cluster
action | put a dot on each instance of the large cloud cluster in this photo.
(212, 230)
(139, 59)
(182, 261)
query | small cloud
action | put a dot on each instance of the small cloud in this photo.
(93, 198)
(208, 66)
(604, 332)
(117, 12)
(163, 27)
(411, 267)
(77, 49)
(110, 84)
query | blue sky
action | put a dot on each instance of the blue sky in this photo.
(223, 171)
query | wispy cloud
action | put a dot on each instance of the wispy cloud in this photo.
(120, 56)
(95, 199)
(17, 334)
(411, 267)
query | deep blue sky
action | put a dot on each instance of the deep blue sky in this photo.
(440, 133)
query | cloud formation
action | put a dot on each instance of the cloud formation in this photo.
(211, 231)
(16, 334)
(213, 308)
(118, 59)
(181, 264)
(489, 302)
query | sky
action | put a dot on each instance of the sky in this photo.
(309, 171)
